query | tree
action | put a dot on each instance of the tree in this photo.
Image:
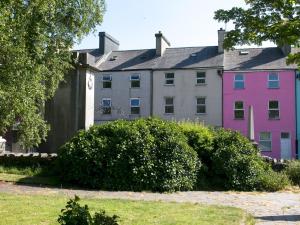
(35, 38)
(274, 20)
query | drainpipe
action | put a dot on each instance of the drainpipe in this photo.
(297, 77)
(77, 98)
(151, 93)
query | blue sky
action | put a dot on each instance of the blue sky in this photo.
(184, 22)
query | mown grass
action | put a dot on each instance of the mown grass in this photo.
(31, 210)
(28, 175)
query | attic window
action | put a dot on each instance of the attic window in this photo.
(113, 58)
(193, 54)
(244, 52)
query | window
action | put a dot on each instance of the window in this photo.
(239, 110)
(135, 80)
(265, 141)
(274, 110)
(135, 106)
(201, 78)
(201, 105)
(285, 135)
(239, 82)
(106, 106)
(169, 105)
(106, 80)
(169, 78)
(273, 80)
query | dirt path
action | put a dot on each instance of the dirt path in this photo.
(268, 208)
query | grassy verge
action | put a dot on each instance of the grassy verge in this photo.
(30, 210)
(28, 175)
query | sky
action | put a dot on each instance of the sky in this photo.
(183, 22)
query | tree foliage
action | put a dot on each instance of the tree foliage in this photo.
(35, 39)
(274, 20)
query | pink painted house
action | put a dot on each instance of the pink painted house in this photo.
(259, 77)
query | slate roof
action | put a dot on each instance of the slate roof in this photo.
(130, 60)
(191, 57)
(256, 59)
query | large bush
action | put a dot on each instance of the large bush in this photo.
(235, 161)
(201, 139)
(293, 171)
(145, 154)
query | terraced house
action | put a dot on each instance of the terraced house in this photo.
(260, 77)
(172, 83)
(201, 84)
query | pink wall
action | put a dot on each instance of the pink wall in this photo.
(257, 94)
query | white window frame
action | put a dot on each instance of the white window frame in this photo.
(106, 107)
(135, 79)
(170, 79)
(239, 81)
(201, 97)
(273, 109)
(169, 105)
(269, 80)
(265, 140)
(106, 80)
(200, 78)
(235, 109)
(135, 106)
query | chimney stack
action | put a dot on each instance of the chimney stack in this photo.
(107, 43)
(221, 37)
(161, 43)
(286, 49)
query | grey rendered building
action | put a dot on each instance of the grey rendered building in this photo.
(171, 83)
(109, 84)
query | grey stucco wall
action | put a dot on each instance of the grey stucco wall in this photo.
(120, 95)
(185, 91)
(70, 110)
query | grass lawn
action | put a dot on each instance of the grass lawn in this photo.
(27, 176)
(31, 210)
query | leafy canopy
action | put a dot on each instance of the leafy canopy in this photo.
(274, 20)
(35, 39)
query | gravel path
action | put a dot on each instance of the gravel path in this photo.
(267, 208)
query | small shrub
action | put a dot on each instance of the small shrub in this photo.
(74, 214)
(145, 154)
(293, 171)
(270, 180)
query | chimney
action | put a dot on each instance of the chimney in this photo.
(107, 43)
(286, 49)
(221, 37)
(161, 43)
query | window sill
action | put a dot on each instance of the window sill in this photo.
(238, 88)
(274, 119)
(201, 84)
(135, 87)
(169, 85)
(274, 88)
(201, 114)
(169, 114)
(238, 119)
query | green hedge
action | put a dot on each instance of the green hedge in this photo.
(157, 155)
(145, 154)
(229, 161)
